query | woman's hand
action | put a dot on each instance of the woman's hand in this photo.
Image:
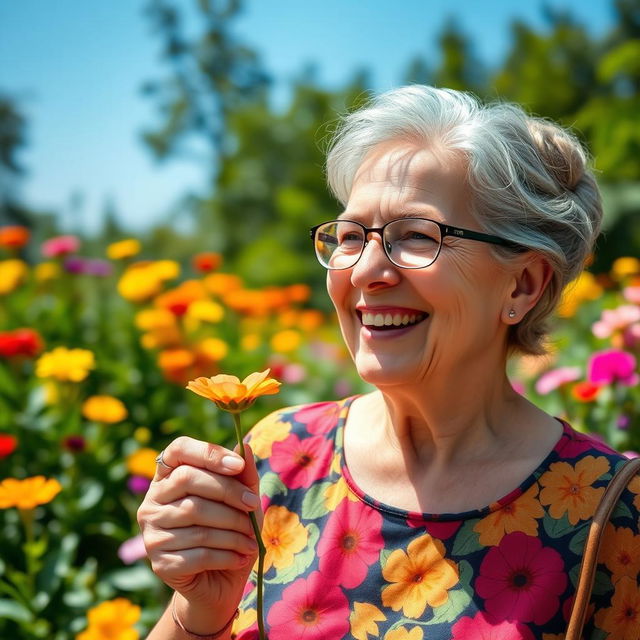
(195, 524)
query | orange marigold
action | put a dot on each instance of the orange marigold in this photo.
(28, 493)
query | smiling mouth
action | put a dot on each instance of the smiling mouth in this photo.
(383, 321)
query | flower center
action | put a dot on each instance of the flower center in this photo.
(304, 459)
(574, 489)
(625, 558)
(348, 542)
(630, 613)
(418, 578)
(309, 616)
(520, 579)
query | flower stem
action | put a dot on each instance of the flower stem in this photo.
(261, 548)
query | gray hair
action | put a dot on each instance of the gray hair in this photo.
(529, 178)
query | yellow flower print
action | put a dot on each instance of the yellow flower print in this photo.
(402, 634)
(363, 620)
(266, 433)
(419, 577)
(622, 619)
(283, 535)
(568, 489)
(520, 514)
(246, 618)
(336, 493)
(621, 552)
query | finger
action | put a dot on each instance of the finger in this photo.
(195, 511)
(251, 479)
(186, 480)
(193, 537)
(177, 564)
(196, 453)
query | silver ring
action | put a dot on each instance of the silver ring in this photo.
(160, 460)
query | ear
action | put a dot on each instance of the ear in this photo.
(530, 279)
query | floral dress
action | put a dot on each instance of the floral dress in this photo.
(339, 564)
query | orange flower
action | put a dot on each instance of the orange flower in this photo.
(401, 633)
(28, 493)
(206, 261)
(124, 249)
(14, 237)
(222, 283)
(283, 535)
(621, 552)
(179, 300)
(568, 489)
(112, 620)
(363, 620)
(420, 577)
(585, 391)
(521, 514)
(232, 395)
(142, 462)
(622, 619)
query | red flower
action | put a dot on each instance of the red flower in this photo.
(481, 627)
(521, 580)
(585, 391)
(207, 261)
(350, 543)
(300, 462)
(320, 417)
(8, 445)
(20, 342)
(309, 609)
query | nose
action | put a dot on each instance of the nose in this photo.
(374, 269)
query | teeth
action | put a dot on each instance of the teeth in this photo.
(389, 320)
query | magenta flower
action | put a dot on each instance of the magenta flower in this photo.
(300, 462)
(521, 580)
(350, 544)
(132, 550)
(631, 454)
(60, 246)
(310, 609)
(319, 417)
(612, 320)
(482, 627)
(138, 484)
(611, 366)
(551, 380)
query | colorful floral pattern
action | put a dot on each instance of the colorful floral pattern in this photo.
(342, 565)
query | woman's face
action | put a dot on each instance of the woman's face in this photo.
(454, 306)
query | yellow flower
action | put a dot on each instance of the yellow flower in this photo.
(568, 489)
(46, 271)
(250, 342)
(521, 514)
(123, 249)
(584, 287)
(206, 311)
(420, 576)
(65, 365)
(112, 620)
(246, 618)
(152, 319)
(285, 341)
(139, 283)
(401, 633)
(267, 432)
(28, 493)
(221, 283)
(142, 462)
(335, 493)
(142, 435)
(363, 620)
(624, 267)
(104, 409)
(165, 269)
(283, 535)
(12, 274)
(213, 349)
(232, 395)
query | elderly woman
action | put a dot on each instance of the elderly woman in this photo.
(443, 505)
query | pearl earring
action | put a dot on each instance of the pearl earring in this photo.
(512, 313)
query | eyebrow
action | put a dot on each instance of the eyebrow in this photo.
(431, 215)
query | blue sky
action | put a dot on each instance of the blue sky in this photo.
(77, 66)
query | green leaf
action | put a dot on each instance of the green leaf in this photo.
(301, 561)
(14, 611)
(91, 493)
(458, 600)
(467, 540)
(313, 504)
(135, 578)
(602, 584)
(57, 564)
(578, 541)
(622, 511)
(271, 485)
(466, 573)
(557, 527)
(384, 556)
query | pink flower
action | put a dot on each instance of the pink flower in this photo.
(60, 246)
(132, 549)
(481, 627)
(319, 417)
(310, 609)
(555, 378)
(612, 320)
(631, 454)
(350, 543)
(300, 462)
(613, 365)
(518, 387)
(632, 294)
(521, 580)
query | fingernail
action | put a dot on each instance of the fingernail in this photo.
(250, 499)
(232, 463)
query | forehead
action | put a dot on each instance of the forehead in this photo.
(399, 178)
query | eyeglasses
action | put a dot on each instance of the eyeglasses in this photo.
(410, 243)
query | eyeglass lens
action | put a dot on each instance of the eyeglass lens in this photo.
(412, 243)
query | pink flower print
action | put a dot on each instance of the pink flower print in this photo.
(310, 609)
(482, 627)
(319, 417)
(60, 246)
(350, 543)
(442, 530)
(555, 378)
(300, 462)
(521, 580)
(613, 365)
(612, 320)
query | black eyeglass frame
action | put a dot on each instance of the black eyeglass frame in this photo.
(445, 231)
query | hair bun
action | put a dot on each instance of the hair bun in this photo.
(560, 151)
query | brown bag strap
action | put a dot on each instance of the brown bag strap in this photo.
(592, 546)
